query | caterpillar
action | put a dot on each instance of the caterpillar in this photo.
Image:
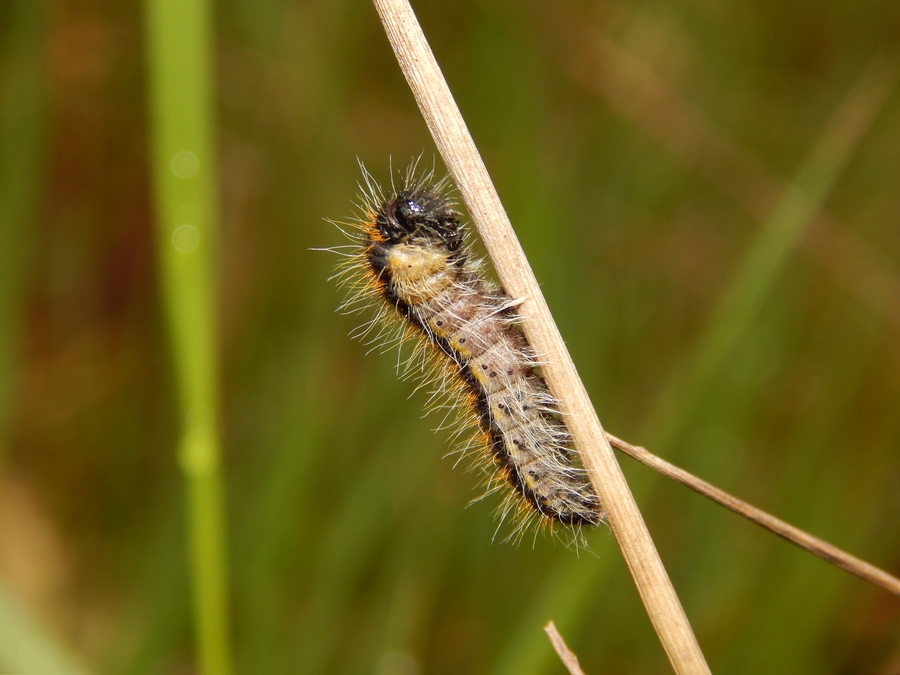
(412, 261)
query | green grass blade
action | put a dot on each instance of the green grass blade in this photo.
(179, 54)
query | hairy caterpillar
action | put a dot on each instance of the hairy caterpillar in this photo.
(410, 258)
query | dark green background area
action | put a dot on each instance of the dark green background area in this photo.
(641, 150)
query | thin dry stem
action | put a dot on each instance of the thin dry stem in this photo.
(465, 165)
(566, 655)
(793, 534)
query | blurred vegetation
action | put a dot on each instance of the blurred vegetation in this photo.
(182, 102)
(708, 194)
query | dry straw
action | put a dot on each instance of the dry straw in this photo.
(595, 446)
(483, 204)
(566, 655)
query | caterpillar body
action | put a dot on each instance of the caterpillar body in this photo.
(411, 258)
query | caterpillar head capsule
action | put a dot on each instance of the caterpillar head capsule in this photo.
(419, 214)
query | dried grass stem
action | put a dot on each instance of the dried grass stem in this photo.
(483, 204)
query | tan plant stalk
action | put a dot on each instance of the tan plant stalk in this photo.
(465, 165)
(566, 655)
(823, 549)
(483, 204)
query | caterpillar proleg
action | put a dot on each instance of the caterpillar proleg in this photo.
(410, 259)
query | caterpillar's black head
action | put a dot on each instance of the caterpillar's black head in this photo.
(417, 214)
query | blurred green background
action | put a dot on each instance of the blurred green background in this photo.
(708, 193)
